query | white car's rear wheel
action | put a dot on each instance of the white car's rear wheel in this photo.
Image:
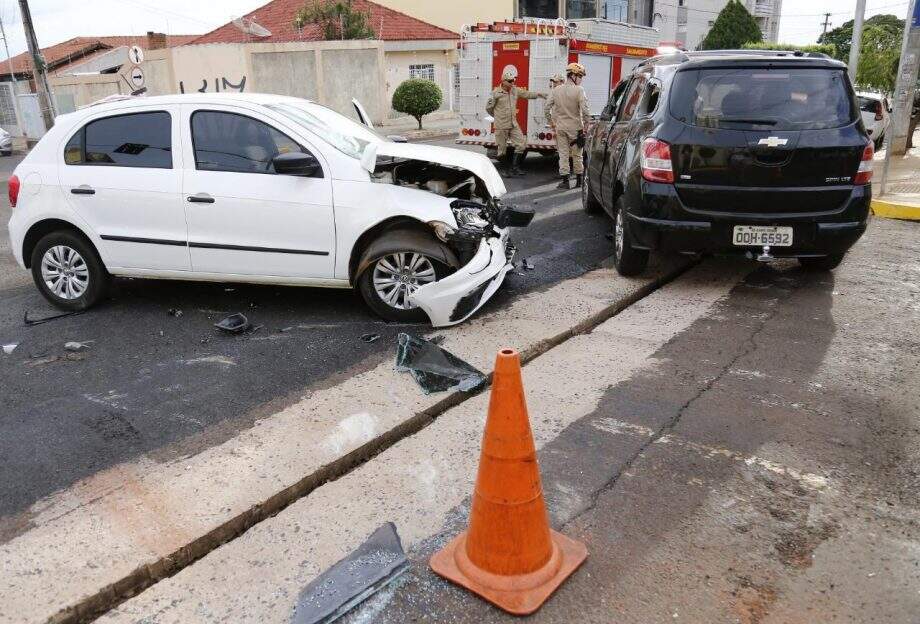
(68, 271)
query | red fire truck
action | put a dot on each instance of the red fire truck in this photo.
(538, 49)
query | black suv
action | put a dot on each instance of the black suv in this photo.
(751, 152)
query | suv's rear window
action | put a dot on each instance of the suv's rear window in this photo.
(775, 98)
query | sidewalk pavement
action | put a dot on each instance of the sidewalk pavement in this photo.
(902, 199)
(431, 128)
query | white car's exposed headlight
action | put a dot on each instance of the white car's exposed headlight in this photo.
(442, 230)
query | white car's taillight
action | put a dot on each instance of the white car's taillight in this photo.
(13, 188)
(655, 161)
(864, 173)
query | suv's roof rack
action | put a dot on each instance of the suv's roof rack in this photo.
(781, 53)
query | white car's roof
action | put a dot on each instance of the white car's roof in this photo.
(186, 98)
(871, 96)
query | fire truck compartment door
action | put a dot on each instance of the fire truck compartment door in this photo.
(597, 80)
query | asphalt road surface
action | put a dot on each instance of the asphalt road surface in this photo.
(154, 382)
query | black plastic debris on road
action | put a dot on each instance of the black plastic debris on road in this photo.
(369, 338)
(433, 368)
(374, 565)
(53, 317)
(234, 324)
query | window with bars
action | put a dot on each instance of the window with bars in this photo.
(7, 107)
(425, 72)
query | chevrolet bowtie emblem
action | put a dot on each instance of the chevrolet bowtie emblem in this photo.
(773, 141)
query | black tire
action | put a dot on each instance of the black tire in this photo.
(89, 281)
(589, 202)
(384, 309)
(627, 260)
(827, 263)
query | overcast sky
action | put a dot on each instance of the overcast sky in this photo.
(59, 20)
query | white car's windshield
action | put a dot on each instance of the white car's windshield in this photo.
(345, 135)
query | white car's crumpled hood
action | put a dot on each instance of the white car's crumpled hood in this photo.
(477, 164)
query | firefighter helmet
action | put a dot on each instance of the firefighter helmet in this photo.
(576, 69)
(557, 78)
(510, 73)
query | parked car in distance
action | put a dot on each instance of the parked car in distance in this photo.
(6, 143)
(876, 115)
(756, 153)
(262, 189)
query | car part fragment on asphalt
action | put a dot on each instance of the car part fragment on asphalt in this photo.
(374, 565)
(234, 324)
(9, 348)
(175, 312)
(53, 317)
(509, 555)
(369, 338)
(527, 264)
(433, 368)
(77, 346)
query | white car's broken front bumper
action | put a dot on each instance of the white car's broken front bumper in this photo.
(455, 298)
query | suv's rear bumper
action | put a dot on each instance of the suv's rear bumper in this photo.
(658, 220)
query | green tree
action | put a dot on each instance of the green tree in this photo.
(417, 97)
(338, 19)
(878, 59)
(733, 28)
(791, 47)
(842, 36)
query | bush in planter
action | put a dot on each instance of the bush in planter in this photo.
(417, 97)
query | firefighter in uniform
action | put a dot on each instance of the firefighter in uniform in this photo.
(502, 106)
(568, 115)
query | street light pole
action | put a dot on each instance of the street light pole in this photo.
(41, 77)
(856, 41)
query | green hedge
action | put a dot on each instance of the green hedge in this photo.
(826, 48)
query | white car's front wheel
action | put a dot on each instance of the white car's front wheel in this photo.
(387, 283)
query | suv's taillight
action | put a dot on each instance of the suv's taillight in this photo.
(864, 173)
(655, 161)
(13, 188)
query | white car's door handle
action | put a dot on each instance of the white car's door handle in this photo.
(83, 189)
(201, 198)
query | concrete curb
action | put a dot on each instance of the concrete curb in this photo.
(894, 210)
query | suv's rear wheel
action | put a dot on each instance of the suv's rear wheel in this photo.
(627, 260)
(68, 271)
(387, 283)
(827, 263)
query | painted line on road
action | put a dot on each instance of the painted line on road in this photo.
(619, 427)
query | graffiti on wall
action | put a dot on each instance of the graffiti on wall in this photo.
(220, 84)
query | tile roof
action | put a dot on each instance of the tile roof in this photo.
(278, 17)
(67, 52)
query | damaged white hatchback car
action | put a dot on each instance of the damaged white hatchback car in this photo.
(260, 189)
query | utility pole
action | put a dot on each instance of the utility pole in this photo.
(15, 89)
(41, 77)
(904, 89)
(856, 42)
(827, 23)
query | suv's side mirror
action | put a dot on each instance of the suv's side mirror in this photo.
(296, 164)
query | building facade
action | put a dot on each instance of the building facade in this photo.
(688, 21)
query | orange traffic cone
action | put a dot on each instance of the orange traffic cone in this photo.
(509, 555)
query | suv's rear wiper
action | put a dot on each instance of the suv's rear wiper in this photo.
(758, 122)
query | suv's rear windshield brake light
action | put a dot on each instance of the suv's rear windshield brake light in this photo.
(864, 173)
(656, 161)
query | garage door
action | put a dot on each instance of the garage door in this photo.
(597, 82)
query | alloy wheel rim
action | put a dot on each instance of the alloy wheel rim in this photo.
(618, 234)
(399, 275)
(65, 272)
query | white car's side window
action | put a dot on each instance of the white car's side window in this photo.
(236, 143)
(133, 140)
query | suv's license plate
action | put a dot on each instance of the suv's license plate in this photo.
(760, 235)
